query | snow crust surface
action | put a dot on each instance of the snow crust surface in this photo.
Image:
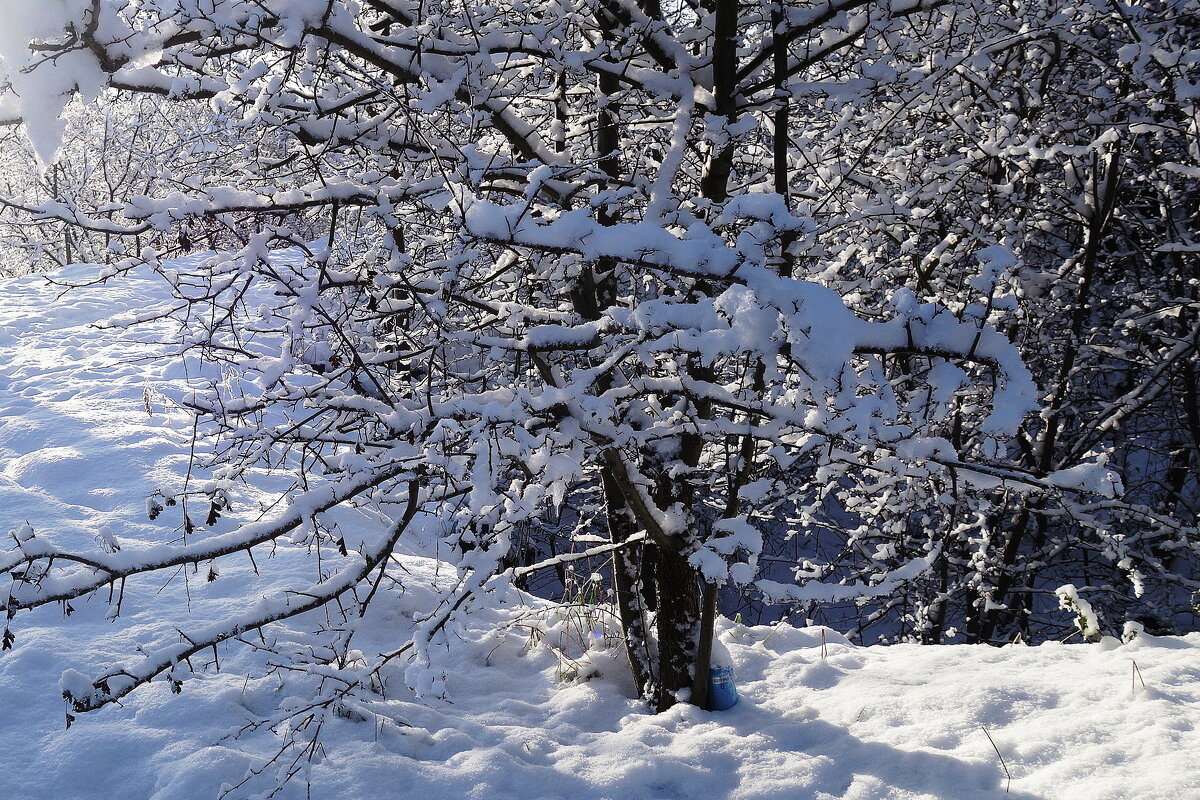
(87, 431)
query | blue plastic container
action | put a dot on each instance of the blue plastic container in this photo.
(722, 692)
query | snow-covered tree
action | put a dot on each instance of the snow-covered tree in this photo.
(716, 276)
(120, 146)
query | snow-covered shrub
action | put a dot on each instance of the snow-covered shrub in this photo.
(581, 624)
(1087, 623)
(725, 293)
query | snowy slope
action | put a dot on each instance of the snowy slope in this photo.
(87, 431)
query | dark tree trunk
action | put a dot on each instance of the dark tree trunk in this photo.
(627, 568)
(678, 616)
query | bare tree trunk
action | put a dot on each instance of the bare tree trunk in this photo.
(678, 615)
(626, 579)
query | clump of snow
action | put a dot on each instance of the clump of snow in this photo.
(41, 94)
(1096, 477)
(1085, 617)
(996, 260)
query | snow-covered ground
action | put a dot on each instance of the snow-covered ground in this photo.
(87, 431)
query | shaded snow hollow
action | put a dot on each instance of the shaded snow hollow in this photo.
(819, 718)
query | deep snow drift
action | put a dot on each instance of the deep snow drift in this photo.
(88, 431)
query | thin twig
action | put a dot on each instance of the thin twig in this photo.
(1135, 673)
(1003, 766)
(778, 625)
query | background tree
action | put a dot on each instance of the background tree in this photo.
(123, 146)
